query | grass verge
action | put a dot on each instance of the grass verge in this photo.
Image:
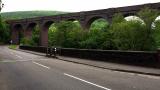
(13, 46)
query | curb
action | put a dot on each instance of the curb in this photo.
(120, 70)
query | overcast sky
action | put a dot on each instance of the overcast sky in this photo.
(68, 5)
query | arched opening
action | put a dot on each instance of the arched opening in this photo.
(97, 35)
(65, 34)
(29, 29)
(31, 35)
(134, 18)
(156, 28)
(156, 22)
(51, 34)
(129, 14)
(17, 33)
(158, 18)
(35, 36)
(98, 22)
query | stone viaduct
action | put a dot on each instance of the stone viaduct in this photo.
(85, 19)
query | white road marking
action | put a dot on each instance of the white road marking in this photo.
(86, 81)
(41, 65)
(19, 56)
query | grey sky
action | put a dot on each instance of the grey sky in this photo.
(68, 5)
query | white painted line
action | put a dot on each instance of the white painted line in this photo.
(86, 81)
(41, 65)
(19, 56)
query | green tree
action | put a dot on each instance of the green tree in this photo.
(35, 36)
(4, 32)
(52, 35)
(134, 35)
(157, 33)
(128, 35)
(100, 24)
(148, 16)
(65, 34)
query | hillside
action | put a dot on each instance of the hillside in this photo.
(28, 14)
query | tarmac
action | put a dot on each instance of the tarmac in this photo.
(106, 65)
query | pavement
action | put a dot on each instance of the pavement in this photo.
(25, 71)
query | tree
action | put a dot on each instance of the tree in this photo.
(4, 32)
(148, 16)
(66, 34)
(99, 24)
(157, 33)
(128, 35)
(133, 35)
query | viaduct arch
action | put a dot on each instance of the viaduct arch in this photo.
(85, 18)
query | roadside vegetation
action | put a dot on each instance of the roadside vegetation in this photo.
(13, 46)
(4, 32)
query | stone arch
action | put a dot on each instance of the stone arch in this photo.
(47, 24)
(29, 28)
(76, 21)
(16, 33)
(134, 17)
(156, 20)
(31, 25)
(92, 19)
(72, 19)
(129, 14)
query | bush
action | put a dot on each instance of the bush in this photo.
(157, 33)
(25, 41)
(129, 35)
(4, 32)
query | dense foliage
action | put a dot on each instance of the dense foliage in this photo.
(4, 32)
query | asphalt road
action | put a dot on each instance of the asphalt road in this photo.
(25, 71)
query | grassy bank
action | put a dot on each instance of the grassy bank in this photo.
(13, 46)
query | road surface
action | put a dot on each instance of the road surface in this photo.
(25, 71)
